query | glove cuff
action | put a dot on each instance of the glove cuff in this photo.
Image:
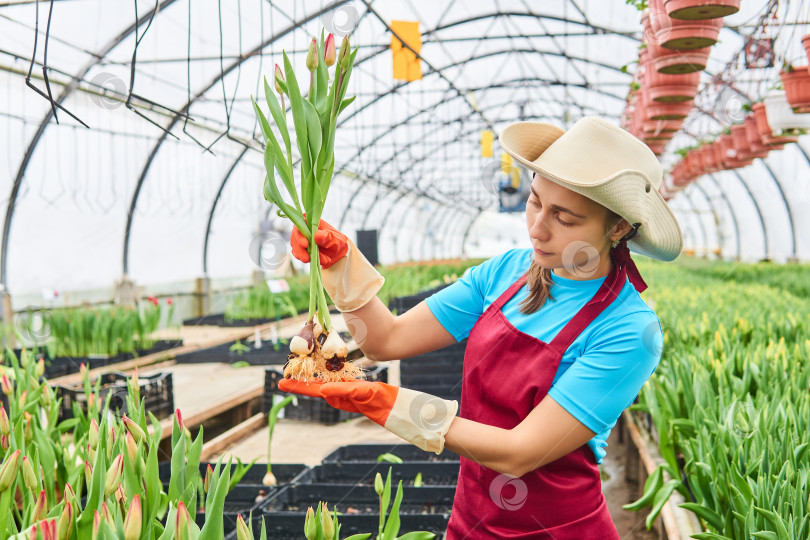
(421, 419)
(352, 281)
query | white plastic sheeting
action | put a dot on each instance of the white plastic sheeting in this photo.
(408, 155)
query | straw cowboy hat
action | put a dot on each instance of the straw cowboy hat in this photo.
(608, 165)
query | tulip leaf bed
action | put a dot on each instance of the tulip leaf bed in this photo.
(96, 332)
(730, 399)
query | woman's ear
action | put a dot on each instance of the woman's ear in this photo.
(621, 229)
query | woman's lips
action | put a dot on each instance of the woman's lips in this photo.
(540, 252)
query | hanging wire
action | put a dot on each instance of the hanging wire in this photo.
(133, 64)
(228, 110)
(188, 84)
(49, 96)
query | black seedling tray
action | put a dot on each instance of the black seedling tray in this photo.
(359, 499)
(266, 355)
(433, 473)
(67, 365)
(404, 303)
(312, 409)
(290, 525)
(284, 472)
(370, 452)
(156, 389)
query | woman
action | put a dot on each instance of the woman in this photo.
(559, 340)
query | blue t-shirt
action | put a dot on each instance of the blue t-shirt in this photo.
(605, 367)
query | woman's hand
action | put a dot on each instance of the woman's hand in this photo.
(349, 279)
(419, 418)
(332, 244)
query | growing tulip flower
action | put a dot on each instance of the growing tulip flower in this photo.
(6, 385)
(9, 470)
(132, 524)
(29, 477)
(5, 426)
(114, 474)
(329, 53)
(312, 55)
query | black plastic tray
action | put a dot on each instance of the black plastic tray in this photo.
(156, 389)
(308, 408)
(290, 525)
(284, 472)
(370, 452)
(361, 499)
(355, 472)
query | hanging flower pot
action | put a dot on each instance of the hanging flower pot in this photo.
(782, 118)
(701, 9)
(678, 62)
(661, 126)
(668, 111)
(657, 147)
(728, 151)
(806, 43)
(764, 128)
(670, 88)
(754, 138)
(742, 146)
(797, 89)
(708, 158)
(684, 35)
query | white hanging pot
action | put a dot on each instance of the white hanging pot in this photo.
(781, 118)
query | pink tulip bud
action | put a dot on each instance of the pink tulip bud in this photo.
(279, 76)
(83, 370)
(132, 524)
(6, 385)
(4, 442)
(92, 434)
(65, 523)
(242, 531)
(329, 53)
(312, 55)
(182, 522)
(135, 381)
(23, 397)
(40, 507)
(132, 449)
(8, 472)
(88, 474)
(105, 513)
(29, 477)
(136, 430)
(70, 495)
(91, 401)
(5, 425)
(120, 495)
(179, 418)
(114, 474)
(209, 472)
(96, 524)
(343, 55)
(169, 301)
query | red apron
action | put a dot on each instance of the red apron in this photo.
(506, 375)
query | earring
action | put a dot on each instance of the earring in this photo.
(614, 243)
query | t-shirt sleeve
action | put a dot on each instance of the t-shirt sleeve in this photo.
(606, 379)
(459, 306)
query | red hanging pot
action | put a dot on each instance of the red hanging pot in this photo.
(678, 62)
(754, 138)
(742, 146)
(765, 131)
(701, 9)
(729, 152)
(708, 159)
(657, 147)
(684, 35)
(672, 88)
(797, 89)
(661, 126)
(669, 111)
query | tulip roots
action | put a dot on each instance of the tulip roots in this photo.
(325, 362)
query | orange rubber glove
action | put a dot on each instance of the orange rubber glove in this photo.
(332, 244)
(347, 276)
(419, 418)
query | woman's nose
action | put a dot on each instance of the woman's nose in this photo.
(538, 228)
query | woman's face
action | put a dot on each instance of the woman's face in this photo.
(567, 231)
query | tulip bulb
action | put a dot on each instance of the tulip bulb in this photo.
(334, 346)
(304, 342)
(269, 479)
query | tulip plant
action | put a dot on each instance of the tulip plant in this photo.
(317, 350)
(729, 401)
(96, 475)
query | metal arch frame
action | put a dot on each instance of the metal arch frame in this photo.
(699, 219)
(411, 144)
(214, 207)
(447, 243)
(223, 73)
(733, 214)
(401, 221)
(759, 212)
(467, 231)
(68, 89)
(713, 210)
(794, 232)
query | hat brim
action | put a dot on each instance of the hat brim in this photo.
(659, 237)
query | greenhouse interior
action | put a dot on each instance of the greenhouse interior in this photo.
(405, 270)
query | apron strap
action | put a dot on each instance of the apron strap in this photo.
(623, 267)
